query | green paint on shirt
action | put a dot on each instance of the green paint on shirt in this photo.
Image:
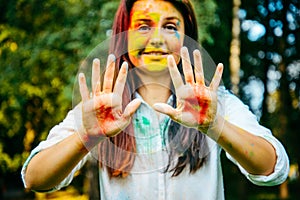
(145, 121)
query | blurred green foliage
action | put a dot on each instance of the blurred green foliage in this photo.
(40, 46)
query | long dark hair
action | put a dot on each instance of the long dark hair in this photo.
(187, 145)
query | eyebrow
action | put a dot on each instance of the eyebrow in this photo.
(143, 20)
(172, 18)
(148, 20)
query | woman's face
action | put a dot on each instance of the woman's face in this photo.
(156, 30)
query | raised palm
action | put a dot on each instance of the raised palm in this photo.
(102, 113)
(196, 102)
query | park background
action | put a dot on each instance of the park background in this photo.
(42, 44)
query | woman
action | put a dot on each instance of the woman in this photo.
(157, 128)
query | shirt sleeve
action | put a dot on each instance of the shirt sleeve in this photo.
(58, 133)
(236, 112)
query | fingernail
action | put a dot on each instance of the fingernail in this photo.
(184, 48)
(96, 60)
(126, 64)
(112, 57)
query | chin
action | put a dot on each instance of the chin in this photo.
(156, 67)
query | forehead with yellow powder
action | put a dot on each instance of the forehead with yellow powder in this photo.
(154, 9)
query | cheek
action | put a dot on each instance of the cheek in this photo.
(135, 44)
(175, 45)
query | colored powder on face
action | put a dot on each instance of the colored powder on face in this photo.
(136, 15)
(155, 65)
(155, 17)
(177, 35)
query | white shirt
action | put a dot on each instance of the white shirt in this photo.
(147, 179)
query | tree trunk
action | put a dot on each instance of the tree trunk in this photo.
(234, 60)
(93, 179)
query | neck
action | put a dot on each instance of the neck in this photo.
(155, 88)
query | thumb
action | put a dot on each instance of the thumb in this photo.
(131, 108)
(165, 109)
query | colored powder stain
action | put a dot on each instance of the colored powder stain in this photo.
(177, 35)
(135, 15)
(198, 108)
(155, 65)
(155, 17)
(105, 113)
(140, 125)
(136, 44)
(250, 154)
(137, 123)
(145, 121)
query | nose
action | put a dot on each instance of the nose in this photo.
(156, 38)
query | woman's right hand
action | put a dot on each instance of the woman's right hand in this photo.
(102, 114)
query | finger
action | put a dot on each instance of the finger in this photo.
(165, 109)
(109, 74)
(217, 77)
(95, 75)
(131, 108)
(198, 67)
(174, 73)
(186, 66)
(84, 91)
(121, 79)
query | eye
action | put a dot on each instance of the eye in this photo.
(171, 28)
(144, 28)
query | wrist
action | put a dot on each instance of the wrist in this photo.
(81, 147)
(89, 140)
(216, 127)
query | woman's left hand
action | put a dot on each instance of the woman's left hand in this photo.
(196, 102)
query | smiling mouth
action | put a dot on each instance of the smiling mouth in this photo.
(153, 52)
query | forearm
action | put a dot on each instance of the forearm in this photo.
(50, 166)
(253, 153)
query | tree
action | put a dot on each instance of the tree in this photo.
(269, 75)
(235, 48)
(272, 55)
